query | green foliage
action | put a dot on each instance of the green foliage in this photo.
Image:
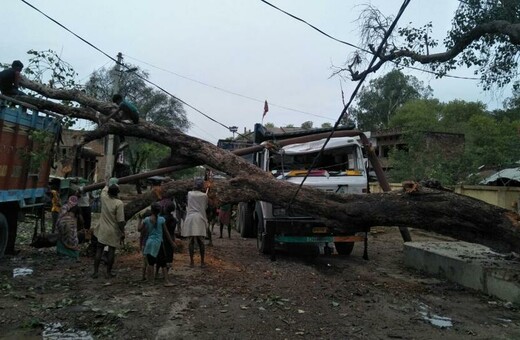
(488, 140)
(418, 114)
(48, 68)
(307, 125)
(495, 55)
(145, 155)
(42, 144)
(326, 126)
(269, 125)
(421, 160)
(154, 106)
(491, 142)
(378, 102)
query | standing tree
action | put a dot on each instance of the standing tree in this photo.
(154, 106)
(484, 34)
(488, 140)
(307, 125)
(377, 102)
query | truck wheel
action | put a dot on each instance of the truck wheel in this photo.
(247, 227)
(263, 243)
(344, 248)
(4, 228)
(266, 245)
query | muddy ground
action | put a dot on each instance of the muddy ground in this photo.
(243, 295)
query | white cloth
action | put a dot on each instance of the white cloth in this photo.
(84, 200)
(112, 212)
(196, 221)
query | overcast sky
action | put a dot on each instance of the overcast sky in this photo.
(241, 46)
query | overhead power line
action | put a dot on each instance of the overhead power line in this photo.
(125, 66)
(227, 91)
(352, 96)
(358, 47)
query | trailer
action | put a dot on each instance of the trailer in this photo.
(27, 137)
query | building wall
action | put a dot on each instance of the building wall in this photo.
(452, 144)
(504, 197)
(92, 162)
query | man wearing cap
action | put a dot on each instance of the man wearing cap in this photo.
(10, 79)
(110, 230)
(196, 222)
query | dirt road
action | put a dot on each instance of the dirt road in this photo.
(242, 295)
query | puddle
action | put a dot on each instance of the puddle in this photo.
(55, 331)
(434, 319)
(22, 272)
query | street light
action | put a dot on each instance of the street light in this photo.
(233, 129)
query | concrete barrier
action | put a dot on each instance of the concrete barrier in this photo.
(471, 265)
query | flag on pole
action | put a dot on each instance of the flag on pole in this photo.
(266, 109)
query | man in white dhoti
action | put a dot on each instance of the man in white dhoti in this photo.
(196, 222)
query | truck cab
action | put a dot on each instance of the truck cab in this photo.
(341, 168)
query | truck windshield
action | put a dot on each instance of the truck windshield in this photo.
(337, 162)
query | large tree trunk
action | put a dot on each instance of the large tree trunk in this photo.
(440, 211)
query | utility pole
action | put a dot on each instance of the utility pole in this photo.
(109, 140)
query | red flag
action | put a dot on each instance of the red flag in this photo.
(266, 109)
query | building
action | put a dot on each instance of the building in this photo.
(89, 163)
(383, 141)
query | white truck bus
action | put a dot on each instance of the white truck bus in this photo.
(342, 168)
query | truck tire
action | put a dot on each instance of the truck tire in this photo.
(264, 241)
(4, 231)
(247, 227)
(344, 248)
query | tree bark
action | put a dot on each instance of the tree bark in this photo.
(444, 212)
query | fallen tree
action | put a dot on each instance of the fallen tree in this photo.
(440, 211)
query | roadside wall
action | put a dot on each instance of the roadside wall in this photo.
(504, 197)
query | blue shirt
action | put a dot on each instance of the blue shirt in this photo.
(155, 236)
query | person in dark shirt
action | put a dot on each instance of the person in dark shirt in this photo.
(10, 79)
(126, 111)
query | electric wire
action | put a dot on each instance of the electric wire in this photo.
(97, 69)
(353, 95)
(226, 91)
(127, 67)
(361, 48)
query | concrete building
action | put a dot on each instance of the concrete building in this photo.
(452, 144)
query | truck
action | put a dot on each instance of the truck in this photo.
(342, 168)
(27, 136)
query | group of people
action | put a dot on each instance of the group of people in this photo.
(157, 228)
(75, 215)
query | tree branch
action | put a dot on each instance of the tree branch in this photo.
(498, 27)
(78, 96)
